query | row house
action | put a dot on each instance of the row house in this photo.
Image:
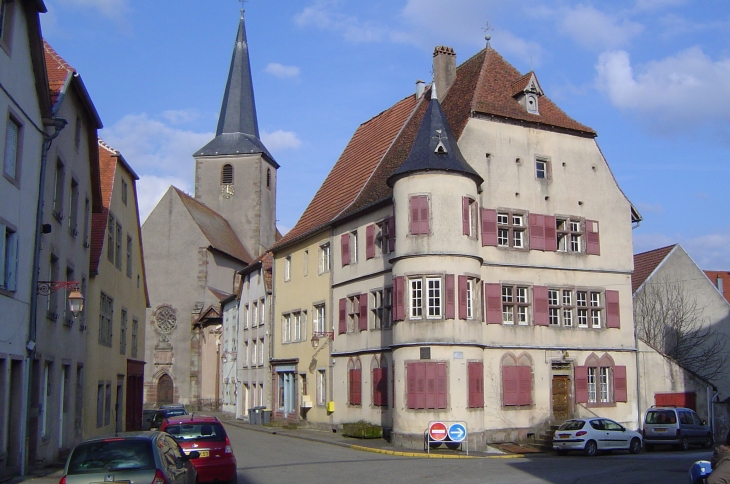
(471, 255)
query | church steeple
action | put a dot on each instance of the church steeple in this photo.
(238, 129)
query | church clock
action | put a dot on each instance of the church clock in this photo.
(227, 191)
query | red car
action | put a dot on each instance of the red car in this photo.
(206, 435)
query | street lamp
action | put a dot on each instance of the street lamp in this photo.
(75, 298)
(329, 335)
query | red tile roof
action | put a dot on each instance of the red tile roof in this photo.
(107, 171)
(724, 276)
(645, 264)
(484, 84)
(58, 71)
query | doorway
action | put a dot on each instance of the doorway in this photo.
(164, 390)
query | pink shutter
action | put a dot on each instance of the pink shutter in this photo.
(345, 239)
(540, 305)
(551, 237)
(398, 297)
(363, 312)
(414, 207)
(376, 385)
(481, 303)
(466, 226)
(620, 393)
(462, 297)
(593, 241)
(581, 384)
(411, 385)
(442, 389)
(420, 385)
(431, 385)
(391, 234)
(424, 215)
(510, 386)
(489, 227)
(343, 316)
(370, 241)
(356, 387)
(524, 377)
(537, 232)
(613, 312)
(493, 298)
(476, 384)
(449, 296)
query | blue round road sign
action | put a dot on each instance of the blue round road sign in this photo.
(457, 432)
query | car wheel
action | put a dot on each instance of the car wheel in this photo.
(684, 445)
(709, 441)
(649, 447)
(591, 448)
(562, 452)
(635, 446)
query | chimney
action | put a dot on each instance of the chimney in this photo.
(420, 87)
(444, 69)
(718, 283)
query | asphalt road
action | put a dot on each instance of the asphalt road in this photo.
(271, 459)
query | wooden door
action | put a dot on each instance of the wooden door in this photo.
(561, 397)
(164, 390)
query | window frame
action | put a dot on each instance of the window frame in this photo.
(325, 258)
(546, 168)
(17, 154)
(517, 302)
(319, 318)
(570, 234)
(9, 247)
(509, 233)
(382, 307)
(7, 15)
(287, 268)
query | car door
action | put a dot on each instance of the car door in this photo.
(176, 468)
(688, 426)
(616, 435)
(597, 433)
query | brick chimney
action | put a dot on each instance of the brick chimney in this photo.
(444, 69)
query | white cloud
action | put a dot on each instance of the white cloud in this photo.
(324, 15)
(282, 71)
(280, 140)
(151, 188)
(709, 251)
(658, 4)
(650, 207)
(109, 8)
(597, 30)
(674, 93)
(181, 116)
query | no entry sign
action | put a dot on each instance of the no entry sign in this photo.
(437, 431)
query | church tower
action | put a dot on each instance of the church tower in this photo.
(235, 175)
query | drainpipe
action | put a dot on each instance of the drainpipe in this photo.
(58, 124)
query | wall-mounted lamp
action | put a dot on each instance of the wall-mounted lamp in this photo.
(318, 334)
(75, 298)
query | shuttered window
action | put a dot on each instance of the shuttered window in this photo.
(450, 297)
(399, 298)
(227, 175)
(493, 300)
(489, 227)
(593, 242)
(355, 386)
(418, 206)
(363, 319)
(370, 241)
(516, 385)
(427, 385)
(463, 294)
(543, 232)
(391, 233)
(613, 318)
(476, 384)
(345, 246)
(380, 387)
(541, 315)
(342, 321)
(12, 141)
(604, 384)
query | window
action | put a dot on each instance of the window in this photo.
(516, 382)
(129, 256)
(245, 316)
(570, 235)
(382, 308)
(110, 238)
(123, 334)
(349, 248)
(118, 257)
(433, 297)
(600, 381)
(354, 382)
(245, 353)
(254, 350)
(77, 133)
(427, 385)
(5, 24)
(353, 247)
(58, 190)
(135, 333)
(318, 323)
(515, 305)
(52, 303)
(511, 230)
(262, 307)
(305, 266)
(8, 258)
(298, 323)
(541, 169)
(353, 313)
(106, 314)
(418, 208)
(12, 155)
(268, 178)
(596, 309)
(475, 370)
(261, 352)
(100, 405)
(469, 298)
(554, 306)
(286, 328)
(227, 174)
(380, 382)
(73, 215)
(287, 268)
(581, 299)
(124, 192)
(469, 216)
(324, 258)
(108, 404)
(321, 387)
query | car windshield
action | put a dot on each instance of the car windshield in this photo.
(197, 431)
(661, 417)
(111, 455)
(175, 412)
(572, 425)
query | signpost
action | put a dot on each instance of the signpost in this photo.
(446, 433)
(437, 431)
(457, 432)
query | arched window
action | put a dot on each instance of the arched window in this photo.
(354, 381)
(227, 174)
(165, 390)
(600, 381)
(516, 380)
(268, 178)
(380, 382)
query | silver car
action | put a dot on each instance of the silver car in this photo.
(133, 458)
(677, 426)
(591, 435)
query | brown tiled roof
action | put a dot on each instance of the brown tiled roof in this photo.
(645, 264)
(520, 84)
(215, 228)
(107, 170)
(58, 71)
(724, 276)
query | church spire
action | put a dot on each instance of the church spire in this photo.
(238, 128)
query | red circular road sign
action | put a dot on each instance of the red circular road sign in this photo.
(437, 431)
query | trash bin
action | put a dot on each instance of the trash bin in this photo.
(265, 416)
(255, 414)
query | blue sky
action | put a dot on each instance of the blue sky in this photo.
(652, 77)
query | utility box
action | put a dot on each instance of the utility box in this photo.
(331, 406)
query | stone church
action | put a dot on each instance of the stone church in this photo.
(195, 245)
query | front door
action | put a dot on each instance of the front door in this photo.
(561, 397)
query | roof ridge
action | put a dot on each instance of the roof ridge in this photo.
(656, 250)
(57, 57)
(105, 145)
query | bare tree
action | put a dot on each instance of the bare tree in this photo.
(670, 319)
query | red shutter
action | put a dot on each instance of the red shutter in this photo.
(593, 241)
(431, 385)
(466, 226)
(462, 297)
(355, 387)
(620, 393)
(537, 232)
(481, 303)
(370, 241)
(510, 385)
(398, 297)
(343, 316)
(540, 305)
(411, 385)
(378, 386)
(391, 233)
(489, 227)
(613, 313)
(476, 384)
(415, 209)
(363, 312)
(345, 239)
(581, 384)
(493, 298)
(551, 237)
(524, 378)
(442, 388)
(450, 296)
(420, 385)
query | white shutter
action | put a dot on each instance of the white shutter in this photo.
(3, 269)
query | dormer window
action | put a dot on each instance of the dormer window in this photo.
(531, 104)
(527, 92)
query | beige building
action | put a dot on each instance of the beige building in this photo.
(481, 265)
(115, 305)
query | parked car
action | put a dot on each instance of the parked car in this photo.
(207, 435)
(147, 416)
(677, 426)
(164, 412)
(132, 457)
(591, 435)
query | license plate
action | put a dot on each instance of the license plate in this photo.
(660, 430)
(564, 436)
(204, 453)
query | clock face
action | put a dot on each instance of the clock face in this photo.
(227, 191)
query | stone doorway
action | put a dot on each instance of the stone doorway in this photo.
(164, 390)
(561, 397)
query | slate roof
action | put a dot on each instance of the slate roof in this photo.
(645, 264)
(483, 86)
(725, 277)
(215, 228)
